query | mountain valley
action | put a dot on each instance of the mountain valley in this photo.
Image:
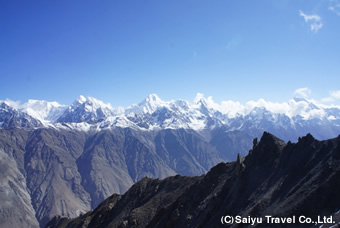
(275, 179)
(65, 160)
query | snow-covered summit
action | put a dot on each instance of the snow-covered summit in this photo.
(11, 117)
(148, 106)
(45, 111)
(203, 113)
(89, 110)
(81, 99)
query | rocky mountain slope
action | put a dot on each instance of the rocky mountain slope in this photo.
(59, 171)
(287, 120)
(275, 179)
(59, 159)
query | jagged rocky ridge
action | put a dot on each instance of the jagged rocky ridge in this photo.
(287, 120)
(66, 160)
(50, 171)
(275, 178)
(12, 118)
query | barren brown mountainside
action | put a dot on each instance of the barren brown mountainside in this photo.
(275, 179)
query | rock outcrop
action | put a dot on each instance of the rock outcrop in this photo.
(276, 179)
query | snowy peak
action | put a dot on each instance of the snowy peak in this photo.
(92, 105)
(151, 103)
(152, 98)
(307, 103)
(78, 102)
(302, 108)
(45, 111)
(202, 103)
(12, 118)
(88, 110)
(81, 99)
(202, 113)
(181, 104)
(4, 107)
(148, 106)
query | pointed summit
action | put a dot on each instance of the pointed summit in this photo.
(269, 146)
(90, 103)
(77, 102)
(205, 106)
(152, 98)
(268, 139)
(81, 99)
(200, 99)
(149, 105)
(88, 110)
(13, 118)
(310, 104)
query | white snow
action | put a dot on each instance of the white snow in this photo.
(45, 111)
(13, 104)
(331, 117)
(194, 115)
(98, 104)
(149, 105)
(81, 99)
(75, 126)
(154, 113)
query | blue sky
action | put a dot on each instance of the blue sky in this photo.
(120, 51)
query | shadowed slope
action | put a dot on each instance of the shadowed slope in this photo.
(276, 179)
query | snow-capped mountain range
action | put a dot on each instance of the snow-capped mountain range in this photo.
(58, 159)
(153, 113)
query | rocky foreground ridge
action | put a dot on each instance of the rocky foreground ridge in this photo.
(275, 178)
(65, 160)
(47, 171)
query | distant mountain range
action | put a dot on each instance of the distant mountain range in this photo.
(288, 120)
(64, 160)
(295, 180)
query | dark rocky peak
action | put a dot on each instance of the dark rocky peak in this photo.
(266, 151)
(307, 152)
(239, 159)
(268, 138)
(268, 143)
(306, 139)
(261, 188)
(140, 187)
(255, 142)
(306, 145)
(219, 169)
(239, 164)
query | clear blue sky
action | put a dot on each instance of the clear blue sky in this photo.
(119, 51)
